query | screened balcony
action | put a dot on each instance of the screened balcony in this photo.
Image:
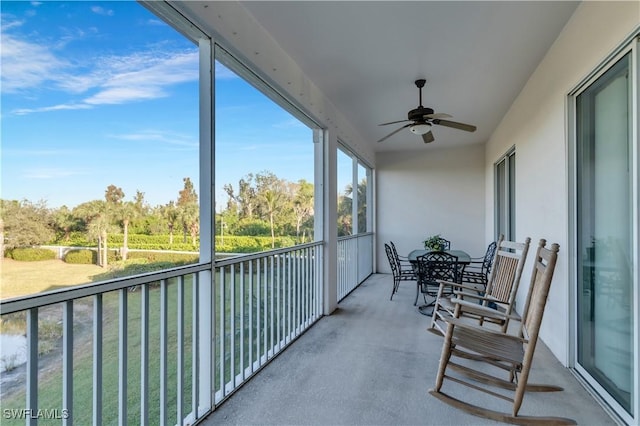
(372, 363)
(269, 356)
(287, 336)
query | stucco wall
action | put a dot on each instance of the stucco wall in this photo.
(537, 125)
(431, 191)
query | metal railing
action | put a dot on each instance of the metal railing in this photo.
(153, 348)
(265, 301)
(355, 262)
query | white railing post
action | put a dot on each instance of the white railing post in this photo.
(32, 366)
(163, 350)
(200, 351)
(67, 363)
(97, 359)
(144, 356)
(122, 359)
(180, 350)
(220, 317)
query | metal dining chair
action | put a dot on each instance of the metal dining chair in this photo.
(400, 272)
(431, 268)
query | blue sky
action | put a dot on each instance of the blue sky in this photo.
(100, 93)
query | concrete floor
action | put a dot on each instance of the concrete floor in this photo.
(371, 363)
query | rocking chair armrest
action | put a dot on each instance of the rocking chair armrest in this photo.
(458, 322)
(459, 285)
(475, 295)
(474, 308)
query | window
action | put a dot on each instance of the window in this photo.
(505, 196)
(99, 139)
(264, 169)
(353, 218)
(345, 193)
(363, 188)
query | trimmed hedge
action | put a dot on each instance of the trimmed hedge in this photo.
(232, 243)
(243, 244)
(76, 239)
(173, 247)
(88, 257)
(155, 257)
(142, 239)
(84, 257)
(30, 254)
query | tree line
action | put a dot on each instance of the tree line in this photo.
(260, 205)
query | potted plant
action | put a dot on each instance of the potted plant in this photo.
(434, 242)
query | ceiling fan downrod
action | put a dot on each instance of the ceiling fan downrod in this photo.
(420, 84)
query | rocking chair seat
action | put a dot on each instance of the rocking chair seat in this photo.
(496, 344)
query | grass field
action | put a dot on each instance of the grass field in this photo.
(20, 278)
(23, 278)
(46, 275)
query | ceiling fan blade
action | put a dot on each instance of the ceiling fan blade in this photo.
(455, 125)
(393, 122)
(428, 137)
(395, 131)
(437, 115)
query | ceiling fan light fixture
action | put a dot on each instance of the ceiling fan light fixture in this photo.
(420, 128)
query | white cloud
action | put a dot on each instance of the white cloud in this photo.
(103, 80)
(101, 11)
(25, 111)
(27, 65)
(155, 22)
(170, 138)
(143, 76)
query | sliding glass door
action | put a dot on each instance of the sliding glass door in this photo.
(605, 226)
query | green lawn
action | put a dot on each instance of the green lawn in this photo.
(50, 380)
(50, 384)
(23, 278)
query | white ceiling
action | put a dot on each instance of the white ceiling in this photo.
(365, 56)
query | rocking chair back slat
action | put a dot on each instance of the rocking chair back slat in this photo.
(500, 292)
(506, 270)
(504, 279)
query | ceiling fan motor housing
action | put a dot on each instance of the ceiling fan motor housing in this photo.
(419, 113)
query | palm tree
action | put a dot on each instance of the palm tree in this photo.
(128, 213)
(170, 214)
(64, 222)
(302, 204)
(188, 209)
(271, 198)
(97, 217)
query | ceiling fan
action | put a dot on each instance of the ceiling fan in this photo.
(421, 119)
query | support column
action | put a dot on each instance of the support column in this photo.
(326, 207)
